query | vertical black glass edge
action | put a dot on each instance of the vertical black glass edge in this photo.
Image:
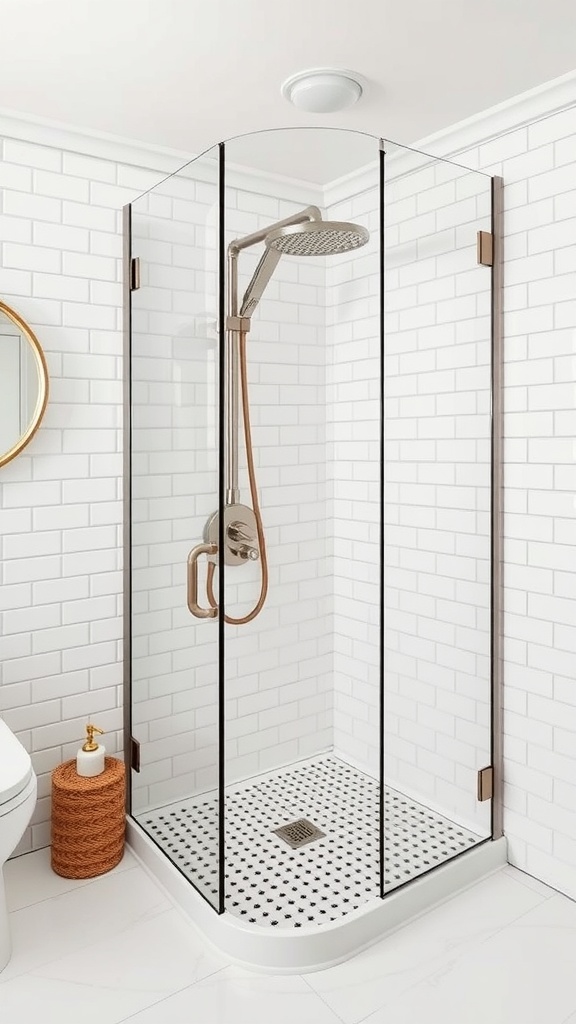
(221, 484)
(496, 753)
(127, 496)
(382, 155)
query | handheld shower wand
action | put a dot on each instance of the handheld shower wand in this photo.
(303, 234)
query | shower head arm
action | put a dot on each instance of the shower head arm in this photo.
(310, 213)
(268, 261)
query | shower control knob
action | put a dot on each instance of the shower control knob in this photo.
(250, 553)
(242, 542)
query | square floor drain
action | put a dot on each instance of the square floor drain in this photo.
(299, 833)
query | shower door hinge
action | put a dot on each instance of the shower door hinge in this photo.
(485, 248)
(134, 754)
(486, 783)
(135, 274)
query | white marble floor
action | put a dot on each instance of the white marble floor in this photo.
(115, 949)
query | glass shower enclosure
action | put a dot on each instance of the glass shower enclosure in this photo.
(312, 521)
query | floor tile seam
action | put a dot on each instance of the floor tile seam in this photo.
(488, 934)
(54, 896)
(81, 946)
(177, 991)
(554, 890)
(530, 888)
(474, 943)
(471, 947)
(471, 950)
(450, 961)
(514, 921)
(370, 1016)
(84, 884)
(321, 997)
(36, 973)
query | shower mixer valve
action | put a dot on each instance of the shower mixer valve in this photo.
(240, 546)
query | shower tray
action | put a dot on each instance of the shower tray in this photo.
(306, 908)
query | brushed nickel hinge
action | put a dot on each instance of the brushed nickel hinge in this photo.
(135, 274)
(134, 754)
(485, 248)
(486, 783)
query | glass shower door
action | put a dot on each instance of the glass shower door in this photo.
(437, 510)
(175, 486)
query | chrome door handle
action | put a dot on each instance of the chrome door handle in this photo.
(192, 578)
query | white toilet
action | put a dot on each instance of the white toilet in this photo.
(18, 789)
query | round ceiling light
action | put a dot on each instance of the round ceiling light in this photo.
(322, 90)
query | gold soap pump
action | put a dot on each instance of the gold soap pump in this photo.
(90, 759)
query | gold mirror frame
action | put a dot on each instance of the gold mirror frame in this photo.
(42, 400)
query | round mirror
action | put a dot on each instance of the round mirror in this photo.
(23, 384)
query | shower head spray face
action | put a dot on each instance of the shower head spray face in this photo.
(317, 238)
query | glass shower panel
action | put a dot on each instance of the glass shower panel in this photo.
(302, 677)
(437, 491)
(175, 486)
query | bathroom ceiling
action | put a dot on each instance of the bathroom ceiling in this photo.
(184, 74)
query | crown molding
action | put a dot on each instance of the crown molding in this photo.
(44, 132)
(457, 142)
(516, 112)
(88, 142)
(461, 138)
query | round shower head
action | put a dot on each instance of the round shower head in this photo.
(317, 238)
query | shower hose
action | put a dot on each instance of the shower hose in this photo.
(255, 503)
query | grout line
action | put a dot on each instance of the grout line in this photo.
(177, 991)
(81, 945)
(83, 884)
(321, 997)
(553, 890)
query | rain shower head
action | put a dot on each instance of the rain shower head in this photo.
(305, 234)
(317, 238)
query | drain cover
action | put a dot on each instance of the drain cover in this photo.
(299, 833)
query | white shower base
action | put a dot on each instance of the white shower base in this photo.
(304, 909)
(270, 884)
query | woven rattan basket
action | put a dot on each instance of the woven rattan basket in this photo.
(88, 820)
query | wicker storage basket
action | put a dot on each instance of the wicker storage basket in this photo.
(88, 820)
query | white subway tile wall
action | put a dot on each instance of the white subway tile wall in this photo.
(60, 501)
(353, 414)
(174, 483)
(436, 487)
(277, 668)
(60, 232)
(538, 164)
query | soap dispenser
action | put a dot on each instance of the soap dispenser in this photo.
(90, 758)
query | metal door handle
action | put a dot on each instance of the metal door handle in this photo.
(192, 573)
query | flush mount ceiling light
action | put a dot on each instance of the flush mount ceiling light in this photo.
(322, 90)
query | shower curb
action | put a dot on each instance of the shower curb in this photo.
(314, 948)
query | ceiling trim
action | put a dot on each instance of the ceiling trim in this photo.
(544, 101)
(460, 139)
(164, 161)
(88, 142)
(534, 105)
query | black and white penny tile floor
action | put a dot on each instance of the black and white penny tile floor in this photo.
(271, 884)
